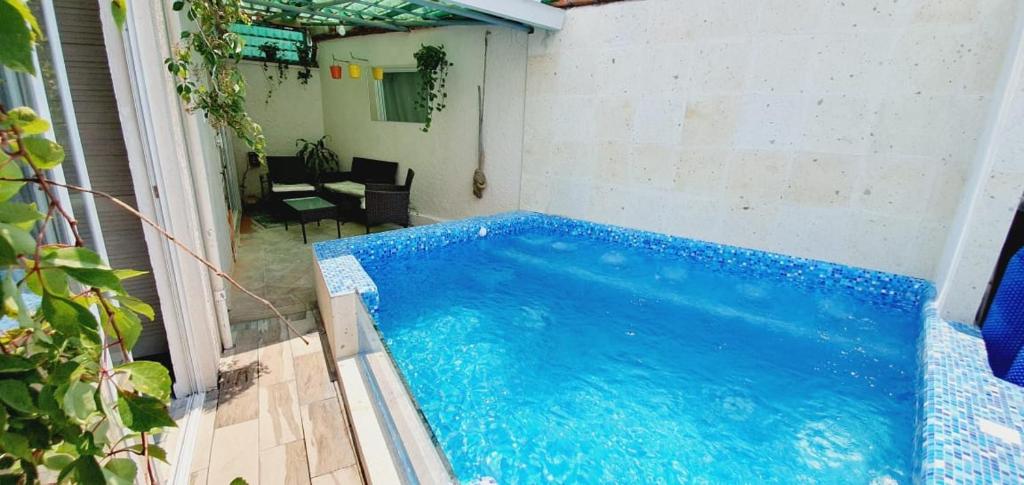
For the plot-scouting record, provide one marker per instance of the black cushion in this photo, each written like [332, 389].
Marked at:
[287, 170]
[368, 170]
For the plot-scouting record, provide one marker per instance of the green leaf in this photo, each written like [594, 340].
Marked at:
[75, 257]
[22, 215]
[129, 327]
[26, 13]
[57, 460]
[239, 481]
[120, 471]
[136, 305]
[26, 120]
[87, 470]
[43, 153]
[125, 274]
[53, 279]
[153, 450]
[142, 413]
[15, 395]
[80, 400]
[100, 278]
[119, 10]
[15, 363]
[16, 37]
[10, 170]
[65, 315]
[178, 5]
[14, 302]
[16, 445]
[148, 378]
[17, 240]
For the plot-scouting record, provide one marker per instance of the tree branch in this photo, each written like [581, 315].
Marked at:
[170, 237]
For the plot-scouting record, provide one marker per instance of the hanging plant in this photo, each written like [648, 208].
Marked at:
[270, 54]
[205, 67]
[306, 56]
[432, 64]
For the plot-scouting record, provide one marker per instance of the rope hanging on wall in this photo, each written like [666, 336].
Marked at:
[479, 179]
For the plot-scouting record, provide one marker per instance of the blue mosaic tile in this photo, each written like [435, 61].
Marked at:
[957, 388]
[343, 275]
[959, 391]
[870, 286]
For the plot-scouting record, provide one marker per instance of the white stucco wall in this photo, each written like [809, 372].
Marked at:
[294, 112]
[444, 159]
[842, 131]
[991, 198]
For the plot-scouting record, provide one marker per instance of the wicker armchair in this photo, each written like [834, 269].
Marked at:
[388, 203]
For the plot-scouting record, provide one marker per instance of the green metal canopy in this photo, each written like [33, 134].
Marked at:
[393, 15]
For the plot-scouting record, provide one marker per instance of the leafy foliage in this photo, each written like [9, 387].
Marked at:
[317, 157]
[205, 68]
[432, 64]
[67, 411]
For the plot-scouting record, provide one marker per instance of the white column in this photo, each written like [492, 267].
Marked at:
[991, 196]
[159, 158]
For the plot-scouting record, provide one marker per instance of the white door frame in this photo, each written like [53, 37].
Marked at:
[154, 127]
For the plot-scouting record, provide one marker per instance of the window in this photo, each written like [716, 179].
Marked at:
[396, 96]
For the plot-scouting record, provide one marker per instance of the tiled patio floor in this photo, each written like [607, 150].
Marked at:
[277, 417]
[273, 263]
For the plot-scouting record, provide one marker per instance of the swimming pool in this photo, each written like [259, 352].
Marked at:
[570, 352]
[544, 357]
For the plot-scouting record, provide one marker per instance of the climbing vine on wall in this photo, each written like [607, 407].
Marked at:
[432, 64]
[205, 68]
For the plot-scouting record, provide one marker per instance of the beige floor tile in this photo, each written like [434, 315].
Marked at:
[299, 348]
[234, 454]
[237, 403]
[204, 438]
[311, 378]
[280, 421]
[198, 477]
[328, 443]
[346, 476]
[275, 264]
[276, 363]
[285, 465]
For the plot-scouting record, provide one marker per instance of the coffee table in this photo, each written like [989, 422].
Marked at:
[311, 209]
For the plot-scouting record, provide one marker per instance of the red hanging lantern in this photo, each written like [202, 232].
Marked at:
[335, 71]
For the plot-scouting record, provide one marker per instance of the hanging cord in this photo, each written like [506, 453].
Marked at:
[479, 179]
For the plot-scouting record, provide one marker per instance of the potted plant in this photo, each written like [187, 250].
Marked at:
[432, 64]
[317, 157]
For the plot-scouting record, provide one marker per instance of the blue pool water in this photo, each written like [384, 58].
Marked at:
[541, 357]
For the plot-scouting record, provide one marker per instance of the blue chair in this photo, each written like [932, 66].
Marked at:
[1003, 330]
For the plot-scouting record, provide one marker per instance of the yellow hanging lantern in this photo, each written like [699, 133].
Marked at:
[378, 73]
[354, 71]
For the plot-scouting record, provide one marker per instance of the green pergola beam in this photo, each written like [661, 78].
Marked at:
[318, 13]
[367, 10]
[394, 15]
[462, 12]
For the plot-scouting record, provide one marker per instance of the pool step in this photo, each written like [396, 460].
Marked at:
[394, 444]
